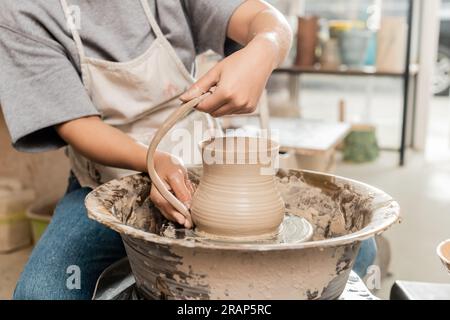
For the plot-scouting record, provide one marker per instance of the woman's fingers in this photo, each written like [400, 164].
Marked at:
[181, 189]
[209, 80]
[177, 183]
[190, 186]
[225, 110]
[165, 207]
[227, 98]
[214, 102]
[174, 177]
[226, 101]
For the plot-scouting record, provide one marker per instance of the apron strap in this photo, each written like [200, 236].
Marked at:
[73, 29]
[76, 35]
[151, 19]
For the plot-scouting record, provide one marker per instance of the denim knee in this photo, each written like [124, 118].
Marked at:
[43, 286]
[71, 241]
[23, 291]
[366, 257]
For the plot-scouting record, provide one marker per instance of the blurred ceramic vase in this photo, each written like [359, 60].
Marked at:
[307, 41]
[353, 46]
[330, 58]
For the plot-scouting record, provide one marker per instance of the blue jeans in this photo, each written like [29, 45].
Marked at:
[71, 255]
[74, 251]
[366, 257]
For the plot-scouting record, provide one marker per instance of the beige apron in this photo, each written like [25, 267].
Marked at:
[135, 96]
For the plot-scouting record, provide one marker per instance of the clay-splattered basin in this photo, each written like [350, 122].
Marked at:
[170, 265]
[443, 251]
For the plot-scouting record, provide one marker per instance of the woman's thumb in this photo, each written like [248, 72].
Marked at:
[181, 190]
[203, 85]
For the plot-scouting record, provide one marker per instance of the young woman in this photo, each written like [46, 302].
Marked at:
[101, 76]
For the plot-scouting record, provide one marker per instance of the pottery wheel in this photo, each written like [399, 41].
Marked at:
[293, 229]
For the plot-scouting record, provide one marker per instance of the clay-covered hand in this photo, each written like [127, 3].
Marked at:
[240, 80]
[174, 175]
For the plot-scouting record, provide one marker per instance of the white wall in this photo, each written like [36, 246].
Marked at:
[427, 51]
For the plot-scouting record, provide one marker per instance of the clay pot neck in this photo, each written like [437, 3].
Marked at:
[238, 172]
[239, 152]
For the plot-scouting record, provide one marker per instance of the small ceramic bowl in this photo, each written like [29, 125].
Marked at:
[443, 251]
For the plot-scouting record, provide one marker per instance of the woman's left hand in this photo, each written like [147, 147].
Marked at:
[240, 80]
[174, 176]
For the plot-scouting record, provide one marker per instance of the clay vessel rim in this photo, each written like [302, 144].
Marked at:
[440, 251]
[206, 145]
[384, 216]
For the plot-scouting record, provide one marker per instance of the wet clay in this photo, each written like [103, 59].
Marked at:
[236, 199]
[293, 229]
[332, 208]
[334, 212]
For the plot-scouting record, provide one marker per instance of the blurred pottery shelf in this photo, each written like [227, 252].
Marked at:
[366, 71]
[308, 144]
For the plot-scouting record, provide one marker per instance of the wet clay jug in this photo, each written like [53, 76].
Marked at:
[237, 198]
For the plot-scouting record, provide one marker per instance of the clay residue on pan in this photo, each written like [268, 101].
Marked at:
[260, 275]
[294, 229]
[156, 271]
[333, 209]
[128, 200]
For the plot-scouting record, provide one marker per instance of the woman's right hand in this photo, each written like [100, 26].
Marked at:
[174, 175]
[108, 146]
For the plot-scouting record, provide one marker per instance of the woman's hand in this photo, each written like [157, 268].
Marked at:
[241, 78]
[106, 145]
[174, 175]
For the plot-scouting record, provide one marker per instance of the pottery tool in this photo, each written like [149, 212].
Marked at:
[237, 199]
[179, 113]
